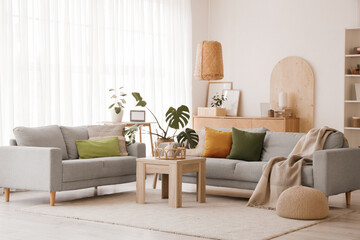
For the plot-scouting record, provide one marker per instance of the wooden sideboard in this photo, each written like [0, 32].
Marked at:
[273, 124]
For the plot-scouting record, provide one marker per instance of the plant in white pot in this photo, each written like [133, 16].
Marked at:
[117, 108]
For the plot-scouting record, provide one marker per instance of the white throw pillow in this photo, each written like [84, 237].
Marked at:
[199, 150]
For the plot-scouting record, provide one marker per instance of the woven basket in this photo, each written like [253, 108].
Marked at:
[170, 153]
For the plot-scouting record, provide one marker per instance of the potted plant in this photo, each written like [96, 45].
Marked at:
[118, 105]
[217, 100]
[175, 119]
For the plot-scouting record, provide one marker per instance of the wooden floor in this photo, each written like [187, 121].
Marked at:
[15, 224]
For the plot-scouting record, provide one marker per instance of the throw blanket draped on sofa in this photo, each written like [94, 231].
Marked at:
[281, 173]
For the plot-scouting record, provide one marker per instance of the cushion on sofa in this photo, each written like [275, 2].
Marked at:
[217, 143]
[94, 168]
[198, 151]
[121, 143]
[246, 145]
[71, 134]
[238, 170]
[279, 144]
[104, 147]
[335, 140]
[47, 136]
[97, 131]
[282, 143]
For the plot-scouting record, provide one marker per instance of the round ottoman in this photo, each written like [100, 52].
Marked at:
[301, 202]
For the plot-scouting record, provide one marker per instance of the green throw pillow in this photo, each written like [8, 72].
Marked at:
[246, 145]
[106, 147]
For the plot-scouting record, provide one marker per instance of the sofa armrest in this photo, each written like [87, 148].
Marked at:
[137, 149]
[337, 170]
[31, 168]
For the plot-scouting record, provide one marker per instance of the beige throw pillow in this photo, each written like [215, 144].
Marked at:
[97, 132]
[122, 143]
[199, 150]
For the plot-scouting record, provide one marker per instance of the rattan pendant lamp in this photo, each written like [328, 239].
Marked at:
[209, 61]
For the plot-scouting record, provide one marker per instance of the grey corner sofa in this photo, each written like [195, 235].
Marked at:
[335, 170]
[55, 166]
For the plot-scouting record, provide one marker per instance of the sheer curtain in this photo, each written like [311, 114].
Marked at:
[58, 58]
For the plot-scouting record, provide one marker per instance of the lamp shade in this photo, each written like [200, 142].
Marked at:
[209, 61]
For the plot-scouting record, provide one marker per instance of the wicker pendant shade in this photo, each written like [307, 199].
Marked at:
[209, 61]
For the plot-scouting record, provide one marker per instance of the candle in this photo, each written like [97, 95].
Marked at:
[282, 99]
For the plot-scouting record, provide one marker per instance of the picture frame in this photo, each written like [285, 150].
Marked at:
[137, 116]
[232, 101]
[216, 88]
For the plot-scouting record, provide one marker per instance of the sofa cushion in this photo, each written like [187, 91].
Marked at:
[71, 134]
[94, 168]
[105, 147]
[334, 140]
[279, 144]
[98, 131]
[47, 136]
[246, 145]
[217, 143]
[238, 170]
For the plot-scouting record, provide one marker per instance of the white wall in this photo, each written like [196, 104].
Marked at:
[200, 14]
[256, 34]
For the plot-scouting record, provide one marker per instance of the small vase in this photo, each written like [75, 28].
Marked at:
[117, 117]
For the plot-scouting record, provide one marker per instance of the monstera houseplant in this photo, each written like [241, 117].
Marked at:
[175, 119]
[117, 106]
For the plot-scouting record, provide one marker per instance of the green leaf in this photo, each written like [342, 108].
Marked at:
[178, 117]
[117, 110]
[123, 94]
[123, 101]
[139, 99]
[111, 105]
[111, 89]
[189, 137]
[113, 96]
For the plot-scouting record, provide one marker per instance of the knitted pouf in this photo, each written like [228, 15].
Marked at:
[304, 203]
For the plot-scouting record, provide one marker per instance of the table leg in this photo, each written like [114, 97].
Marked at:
[201, 183]
[140, 134]
[164, 186]
[175, 186]
[151, 140]
[140, 182]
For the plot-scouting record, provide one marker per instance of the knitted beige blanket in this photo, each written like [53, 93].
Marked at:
[281, 173]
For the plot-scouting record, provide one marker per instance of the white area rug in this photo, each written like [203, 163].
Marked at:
[218, 218]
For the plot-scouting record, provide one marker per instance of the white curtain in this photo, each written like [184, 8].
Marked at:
[58, 58]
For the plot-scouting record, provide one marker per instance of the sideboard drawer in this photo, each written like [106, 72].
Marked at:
[276, 125]
[200, 122]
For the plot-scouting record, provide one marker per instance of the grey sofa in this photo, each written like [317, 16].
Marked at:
[53, 168]
[336, 169]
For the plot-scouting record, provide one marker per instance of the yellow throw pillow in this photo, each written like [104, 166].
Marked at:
[217, 143]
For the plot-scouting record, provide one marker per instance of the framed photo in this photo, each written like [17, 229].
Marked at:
[137, 116]
[216, 88]
[232, 102]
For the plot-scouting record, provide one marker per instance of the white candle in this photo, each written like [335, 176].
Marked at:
[282, 99]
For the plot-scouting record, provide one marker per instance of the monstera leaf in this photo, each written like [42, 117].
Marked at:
[177, 117]
[139, 99]
[189, 137]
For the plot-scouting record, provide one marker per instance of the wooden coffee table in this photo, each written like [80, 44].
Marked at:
[171, 171]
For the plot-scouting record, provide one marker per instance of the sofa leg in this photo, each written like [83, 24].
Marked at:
[7, 194]
[95, 187]
[348, 198]
[52, 198]
[155, 180]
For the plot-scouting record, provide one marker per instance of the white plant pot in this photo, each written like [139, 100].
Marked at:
[117, 117]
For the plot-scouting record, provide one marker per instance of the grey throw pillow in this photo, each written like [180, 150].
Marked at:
[48, 136]
[71, 134]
